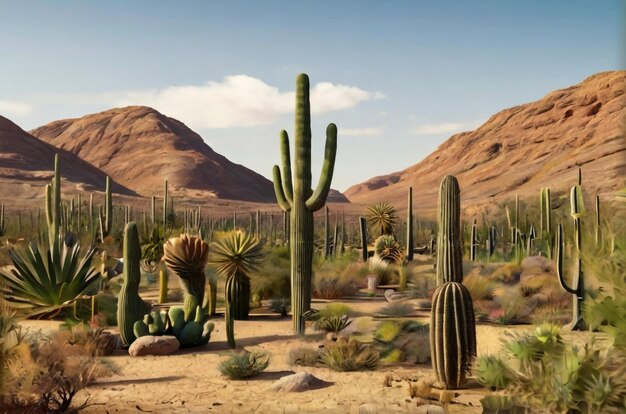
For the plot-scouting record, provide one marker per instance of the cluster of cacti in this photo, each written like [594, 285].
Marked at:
[453, 330]
[130, 306]
[297, 197]
[190, 326]
[577, 287]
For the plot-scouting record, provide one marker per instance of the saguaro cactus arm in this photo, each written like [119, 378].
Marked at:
[283, 202]
[286, 161]
[318, 199]
[558, 251]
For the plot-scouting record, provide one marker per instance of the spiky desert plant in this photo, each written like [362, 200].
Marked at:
[244, 364]
[297, 197]
[186, 257]
[388, 249]
[235, 256]
[349, 355]
[332, 323]
[449, 249]
[130, 307]
[452, 334]
[45, 277]
[382, 217]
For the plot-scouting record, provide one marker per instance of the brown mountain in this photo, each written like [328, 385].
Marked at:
[27, 165]
[139, 147]
[521, 149]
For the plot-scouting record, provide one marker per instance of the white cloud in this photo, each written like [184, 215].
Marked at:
[14, 108]
[441, 128]
[238, 101]
[360, 132]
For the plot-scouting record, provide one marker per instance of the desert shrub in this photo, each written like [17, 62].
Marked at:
[304, 357]
[410, 338]
[508, 273]
[335, 309]
[332, 323]
[244, 364]
[349, 355]
[280, 305]
[396, 310]
[550, 314]
[480, 287]
[540, 371]
[511, 312]
[96, 341]
[47, 373]
[334, 288]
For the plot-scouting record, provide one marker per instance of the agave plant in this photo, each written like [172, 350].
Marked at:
[382, 218]
[45, 278]
[186, 256]
[235, 256]
[388, 249]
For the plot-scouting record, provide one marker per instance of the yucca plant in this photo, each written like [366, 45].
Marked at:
[382, 218]
[244, 364]
[235, 256]
[388, 249]
[332, 323]
[46, 278]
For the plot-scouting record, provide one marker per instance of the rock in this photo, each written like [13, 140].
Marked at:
[393, 296]
[537, 262]
[302, 381]
[154, 345]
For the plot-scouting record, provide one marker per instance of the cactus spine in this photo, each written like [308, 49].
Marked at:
[297, 197]
[452, 324]
[452, 334]
[130, 307]
[577, 289]
[449, 249]
[409, 226]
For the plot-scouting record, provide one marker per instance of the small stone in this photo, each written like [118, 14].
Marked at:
[154, 345]
[302, 381]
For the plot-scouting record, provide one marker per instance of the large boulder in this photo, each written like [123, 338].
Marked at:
[154, 345]
[302, 381]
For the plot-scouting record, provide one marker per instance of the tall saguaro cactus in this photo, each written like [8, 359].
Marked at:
[108, 208]
[449, 238]
[577, 288]
[297, 197]
[545, 228]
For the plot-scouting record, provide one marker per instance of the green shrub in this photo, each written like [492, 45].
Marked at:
[335, 309]
[331, 288]
[396, 309]
[349, 355]
[244, 364]
[304, 357]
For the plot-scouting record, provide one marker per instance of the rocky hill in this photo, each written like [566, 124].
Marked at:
[521, 149]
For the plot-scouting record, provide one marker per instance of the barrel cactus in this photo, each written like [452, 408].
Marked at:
[130, 307]
[452, 334]
[186, 256]
[298, 198]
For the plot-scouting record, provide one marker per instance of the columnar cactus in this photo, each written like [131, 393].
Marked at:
[452, 334]
[492, 235]
[297, 197]
[108, 208]
[130, 307]
[53, 204]
[163, 281]
[577, 288]
[2, 225]
[326, 233]
[449, 238]
[165, 204]
[545, 227]
[363, 232]
[409, 226]
[598, 233]
[473, 242]
[186, 256]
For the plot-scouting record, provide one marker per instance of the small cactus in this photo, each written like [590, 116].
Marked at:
[449, 249]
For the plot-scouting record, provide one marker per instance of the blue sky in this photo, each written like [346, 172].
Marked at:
[397, 77]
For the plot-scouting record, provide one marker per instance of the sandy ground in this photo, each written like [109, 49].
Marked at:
[189, 381]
